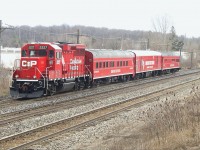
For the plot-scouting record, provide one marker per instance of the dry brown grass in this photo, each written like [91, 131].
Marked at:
[4, 81]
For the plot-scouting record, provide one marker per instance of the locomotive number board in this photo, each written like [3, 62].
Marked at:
[40, 47]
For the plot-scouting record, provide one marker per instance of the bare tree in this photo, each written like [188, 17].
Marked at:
[161, 25]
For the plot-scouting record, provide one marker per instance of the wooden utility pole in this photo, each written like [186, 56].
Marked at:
[191, 65]
[1, 30]
[78, 35]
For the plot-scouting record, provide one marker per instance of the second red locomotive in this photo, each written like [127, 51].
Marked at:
[48, 68]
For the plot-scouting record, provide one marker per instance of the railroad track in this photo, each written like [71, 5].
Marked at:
[39, 111]
[28, 138]
[46, 101]
[10, 102]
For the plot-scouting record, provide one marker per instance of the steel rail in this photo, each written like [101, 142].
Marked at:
[39, 111]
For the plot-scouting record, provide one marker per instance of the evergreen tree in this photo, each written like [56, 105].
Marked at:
[176, 44]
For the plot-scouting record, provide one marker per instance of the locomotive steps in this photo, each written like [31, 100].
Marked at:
[72, 123]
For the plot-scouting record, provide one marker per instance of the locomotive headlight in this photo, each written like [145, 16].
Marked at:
[16, 76]
[34, 77]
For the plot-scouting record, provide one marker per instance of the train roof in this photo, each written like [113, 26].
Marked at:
[110, 53]
[54, 45]
[170, 53]
[145, 52]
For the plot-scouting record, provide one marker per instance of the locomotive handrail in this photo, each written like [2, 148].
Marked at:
[46, 80]
[14, 68]
[15, 64]
[86, 66]
[41, 75]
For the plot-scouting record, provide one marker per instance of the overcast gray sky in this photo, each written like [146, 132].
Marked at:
[184, 15]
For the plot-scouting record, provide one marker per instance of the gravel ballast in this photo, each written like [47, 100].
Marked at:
[28, 124]
[102, 134]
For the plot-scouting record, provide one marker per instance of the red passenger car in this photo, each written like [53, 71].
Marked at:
[106, 65]
[147, 62]
[170, 62]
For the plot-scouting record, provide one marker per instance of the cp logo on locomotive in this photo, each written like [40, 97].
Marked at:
[28, 63]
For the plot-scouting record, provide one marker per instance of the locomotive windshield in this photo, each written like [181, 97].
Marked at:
[37, 53]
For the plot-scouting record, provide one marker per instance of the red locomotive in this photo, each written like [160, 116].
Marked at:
[48, 68]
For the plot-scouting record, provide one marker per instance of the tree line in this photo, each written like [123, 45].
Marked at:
[100, 38]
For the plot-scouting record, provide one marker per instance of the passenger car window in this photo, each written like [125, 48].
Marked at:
[100, 64]
[97, 65]
[106, 64]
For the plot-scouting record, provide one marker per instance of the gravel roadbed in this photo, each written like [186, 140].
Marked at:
[28, 124]
[103, 134]
[26, 104]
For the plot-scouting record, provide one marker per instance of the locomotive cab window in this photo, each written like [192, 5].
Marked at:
[58, 55]
[24, 53]
[51, 54]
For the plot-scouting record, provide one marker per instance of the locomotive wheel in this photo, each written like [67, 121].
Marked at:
[76, 86]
